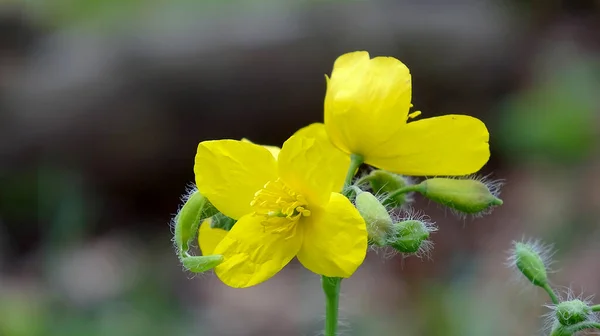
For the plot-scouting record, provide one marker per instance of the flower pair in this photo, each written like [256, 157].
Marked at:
[288, 203]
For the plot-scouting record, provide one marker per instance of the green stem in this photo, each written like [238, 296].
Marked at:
[582, 326]
[551, 293]
[596, 308]
[331, 288]
[355, 162]
[407, 189]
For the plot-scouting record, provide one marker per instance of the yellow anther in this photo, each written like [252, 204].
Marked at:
[278, 200]
[414, 114]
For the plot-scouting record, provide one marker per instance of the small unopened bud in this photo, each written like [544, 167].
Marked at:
[195, 209]
[470, 196]
[572, 312]
[410, 235]
[201, 264]
[378, 220]
[529, 259]
[385, 182]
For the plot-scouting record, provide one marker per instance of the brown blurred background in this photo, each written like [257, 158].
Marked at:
[102, 104]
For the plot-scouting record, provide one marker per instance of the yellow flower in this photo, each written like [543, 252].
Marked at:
[285, 208]
[366, 112]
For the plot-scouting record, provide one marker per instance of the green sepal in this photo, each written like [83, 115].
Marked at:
[199, 264]
[220, 221]
[196, 208]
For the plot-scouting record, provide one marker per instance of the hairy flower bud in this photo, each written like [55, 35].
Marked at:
[469, 196]
[385, 182]
[410, 235]
[195, 209]
[378, 220]
[201, 264]
[572, 312]
[530, 261]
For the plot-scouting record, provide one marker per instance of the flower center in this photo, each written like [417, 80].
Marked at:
[276, 199]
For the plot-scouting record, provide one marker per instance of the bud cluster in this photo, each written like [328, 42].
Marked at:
[392, 194]
[533, 259]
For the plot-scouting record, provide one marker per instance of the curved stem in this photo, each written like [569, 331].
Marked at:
[331, 288]
[404, 190]
[355, 162]
[551, 293]
[596, 308]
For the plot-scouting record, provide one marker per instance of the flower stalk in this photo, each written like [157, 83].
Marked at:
[331, 286]
[551, 293]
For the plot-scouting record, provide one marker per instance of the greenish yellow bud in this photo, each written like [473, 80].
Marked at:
[201, 263]
[465, 195]
[195, 209]
[385, 182]
[572, 312]
[410, 235]
[529, 259]
[378, 220]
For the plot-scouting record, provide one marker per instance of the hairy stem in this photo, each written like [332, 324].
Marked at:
[596, 308]
[331, 288]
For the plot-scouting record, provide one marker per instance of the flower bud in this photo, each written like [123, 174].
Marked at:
[201, 264]
[410, 235]
[465, 195]
[378, 220]
[195, 209]
[385, 182]
[572, 312]
[528, 258]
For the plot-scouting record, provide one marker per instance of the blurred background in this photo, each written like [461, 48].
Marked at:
[103, 102]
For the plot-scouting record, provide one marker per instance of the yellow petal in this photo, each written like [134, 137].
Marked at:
[273, 149]
[209, 237]
[314, 130]
[448, 145]
[229, 172]
[367, 101]
[312, 167]
[335, 239]
[253, 252]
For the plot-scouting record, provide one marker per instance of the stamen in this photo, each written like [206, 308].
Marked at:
[276, 200]
[414, 114]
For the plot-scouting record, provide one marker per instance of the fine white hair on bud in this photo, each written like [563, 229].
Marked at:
[412, 230]
[533, 259]
[571, 310]
[465, 196]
